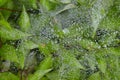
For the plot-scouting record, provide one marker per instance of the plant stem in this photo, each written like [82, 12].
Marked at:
[9, 10]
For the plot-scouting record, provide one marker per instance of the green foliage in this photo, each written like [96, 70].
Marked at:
[2, 2]
[47, 4]
[24, 21]
[70, 67]
[46, 63]
[23, 50]
[95, 76]
[38, 74]
[33, 3]
[8, 4]
[4, 23]
[67, 7]
[88, 44]
[9, 33]
[9, 53]
[8, 76]
[59, 40]
[12, 34]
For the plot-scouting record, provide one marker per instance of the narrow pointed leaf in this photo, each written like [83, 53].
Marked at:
[24, 21]
[12, 34]
[46, 63]
[38, 74]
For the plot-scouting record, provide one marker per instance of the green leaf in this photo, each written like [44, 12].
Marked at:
[95, 76]
[53, 75]
[23, 50]
[9, 53]
[8, 76]
[58, 31]
[112, 21]
[5, 66]
[61, 1]
[44, 78]
[44, 48]
[46, 63]
[8, 5]
[29, 45]
[69, 66]
[12, 34]
[47, 4]
[9, 33]
[38, 74]
[69, 58]
[114, 51]
[1, 16]
[48, 48]
[30, 60]
[108, 39]
[24, 21]
[33, 3]
[65, 1]
[5, 24]
[67, 7]
[88, 44]
[21, 58]
[102, 65]
[2, 2]
[99, 11]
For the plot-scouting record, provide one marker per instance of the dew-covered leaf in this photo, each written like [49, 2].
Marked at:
[58, 31]
[108, 39]
[102, 65]
[46, 63]
[88, 44]
[29, 45]
[114, 51]
[23, 49]
[70, 66]
[38, 74]
[24, 21]
[5, 66]
[112, 19]
[99, 11]
[95, 76]
[12, 34]
[9, 53]
[9, 33]
[53, 75]
[49, 47]
[5, 24]
[67, 7]
[47, 4]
